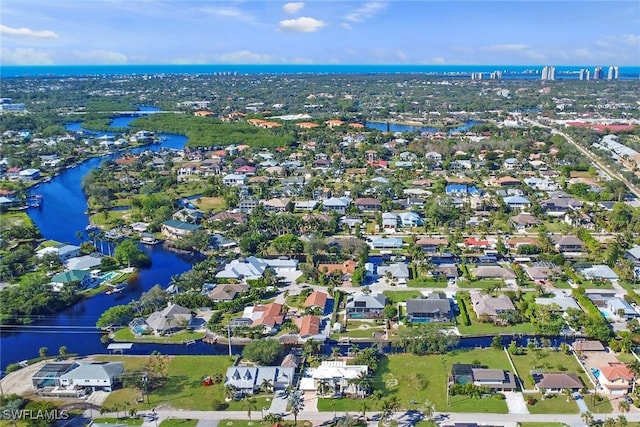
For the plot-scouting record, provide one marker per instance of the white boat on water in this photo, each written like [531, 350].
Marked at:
[149, 240]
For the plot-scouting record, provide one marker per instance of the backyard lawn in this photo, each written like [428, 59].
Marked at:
[184, 389]
[395, 297]
[125, 334]
[549, 361]
[397, 376]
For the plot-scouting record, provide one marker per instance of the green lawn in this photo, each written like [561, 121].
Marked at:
[598, 407]
[588, 284]
[479, 328]
[178, 422]
[481, 284]
[541, 424]
[548, 361]
[556, 404]
[395, 297]
[625, 357]
[561, 284]
[125, 334]
[184, 389]
[426, 283]
[397, 376]
[257, 423]
[262, 401]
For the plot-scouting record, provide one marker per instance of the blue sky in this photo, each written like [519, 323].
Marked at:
[508, 32]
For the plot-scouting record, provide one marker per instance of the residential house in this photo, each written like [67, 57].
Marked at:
[559, 206]
[559, 303]
[600, 272]
[569, 246]
[316, 300]
[276, 205]
[345, 268]
[172, 318]
[49, 375]
[389, 222]
[613, 307]
[477, 244]
[523, 221]
[192, 216]
[580, 346]
[435, 308]
[336, 204]
[234, 180]
[386, 243]
[62, 251]
[173, 229]
[410, 219]
[29, 174]
[309, 329]
[495, 379]
[336, 374]
[616, 379]
[494, 272]
[248, 380]
[252, 268]
[227, 291]
[368, 204]
[304, 205]
[398, 271]
[82, 277]
[492, 306]
[103, 376]
[363, 306]
[235, 217]
[555, 382]
[269, 316]
[517, 202]
[247, 204]
[541, 272]
[85, 262]
[432, 245]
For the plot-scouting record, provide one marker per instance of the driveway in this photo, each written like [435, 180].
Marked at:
[515, 402]
[582, 405]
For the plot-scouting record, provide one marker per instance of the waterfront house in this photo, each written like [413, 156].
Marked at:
[494, 272]
[171, 319]
[569, 246]
[85, 262]
[248, 380]
[104, 376]
[268, 316]
[227, 291]
[62, 251]
[309, 329]
[398, 271]
[316, 300]
[435, 308]
[491, 306]
[29, 174]
[82, 277]
[497, 380]
[336, 374]
[250, 268]
[363, 306]
[555, 382]
[173, 229]
[386, 243]
[432, 245]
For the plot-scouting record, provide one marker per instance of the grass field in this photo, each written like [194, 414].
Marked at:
[256, 423]
[548, 361]
[556, 404]
[126, 421]
[396, 376]
[184, 389]
[598, 407]
[481, 284]
[125, 334]
[395, 297]
[426, 283]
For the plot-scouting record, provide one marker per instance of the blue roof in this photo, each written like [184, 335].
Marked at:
[181, 225]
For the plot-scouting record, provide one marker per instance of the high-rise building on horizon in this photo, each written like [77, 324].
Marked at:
[613, 73]
[476, 76]
[598, 74]
[496, 75]
[585, 74]
[548, 72]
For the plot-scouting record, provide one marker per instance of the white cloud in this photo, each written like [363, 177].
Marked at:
[245, 57]
[230, 13]
[24, 56]
[103, 57]
[293, 7]
[504, 48]
[366, 11]
[438, 60]
[346, 26]
[27, 33]
[304, 24]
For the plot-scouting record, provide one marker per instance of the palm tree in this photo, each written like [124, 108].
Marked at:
[230, 391]
[634, 367]
[622, 421]
[323, 388]
[347, 421]
[428, 409]
[377, 396]
[335, 353]
[362, 383]
[266, 386]
[249, 404]
[624, 406]
[587, 417]
[386, 410]
[296, 403]
[395, 403]
[364, 406]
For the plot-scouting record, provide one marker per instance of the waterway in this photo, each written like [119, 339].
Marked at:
[396, 127]
[61, 216]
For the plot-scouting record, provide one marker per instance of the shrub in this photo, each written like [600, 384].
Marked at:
[531, 401]
[499, 396]
[218, 405]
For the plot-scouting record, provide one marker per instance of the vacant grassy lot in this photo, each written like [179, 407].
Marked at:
[395, 297]
[183, 390]
[548, 361]
[426, 283]
[178, 422]
[247, 423]
[556, 404]
[481, 284]
[598, 406]
[126, 421]
[397, 375]
[125, 334]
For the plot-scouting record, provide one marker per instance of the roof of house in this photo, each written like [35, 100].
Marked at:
[172, 316]
[587, 345]
[85, 262]
[347, 267]
[180, 225]
[490, 305]
[599, 271]
[367, 201]
[330, 369]
[489, 271]
[309, 325]
[69, 276]
[316, 299]
[563, 302]
[371, 300]
[95, 371]
[524, 219]
[250, 267]
[398, 270]
[227, 291]
[270, 315]
[617, 371]
[558, 380]
[566, 240]
[428, 305]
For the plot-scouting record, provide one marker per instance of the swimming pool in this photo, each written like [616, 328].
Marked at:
[109, 275]
[595, 372]
[605, 314]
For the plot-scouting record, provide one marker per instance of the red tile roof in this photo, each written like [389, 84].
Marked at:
[316, 299]
[309, 325]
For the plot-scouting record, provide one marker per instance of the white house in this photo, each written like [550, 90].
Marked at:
[234, 180]
[97, 375]
[337, 374]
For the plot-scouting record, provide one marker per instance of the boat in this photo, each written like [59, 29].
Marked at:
[91, 227]
[149, 240]
[115, 290]
[192, 342]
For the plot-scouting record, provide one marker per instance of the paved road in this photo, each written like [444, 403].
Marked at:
[404, 419]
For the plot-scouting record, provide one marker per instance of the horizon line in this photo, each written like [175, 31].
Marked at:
[316, 65]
